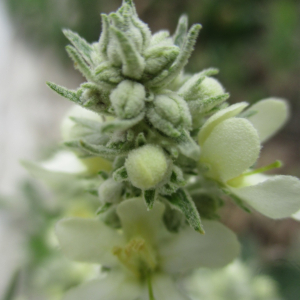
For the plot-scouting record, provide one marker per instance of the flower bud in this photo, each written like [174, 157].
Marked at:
[210, 87]
[128, 99]
[159, 58]
[169, 114]
[200, 87]
[110, 191]
[146, 166]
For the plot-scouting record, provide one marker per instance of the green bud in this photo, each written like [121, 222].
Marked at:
[128, 99]
[169, 114]
[210, 87]
[147, 167]
[159, 58]
[110, 191]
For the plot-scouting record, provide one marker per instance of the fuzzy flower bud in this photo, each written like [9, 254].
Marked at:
[169, 113]
[110, 191]
[146, 166]
[127, 99]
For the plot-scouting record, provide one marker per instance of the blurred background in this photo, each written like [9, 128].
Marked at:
[256, 46]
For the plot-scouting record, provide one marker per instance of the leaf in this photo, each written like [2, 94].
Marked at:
[120, 174]
[98, 150]
[161, 124]
[104, 37]
[133, 62]
[149, 197]
[71, 95]
[183, 202]
[187, 146]
[140, 140]
[80, 44]
[122, 125]
[104, 208]
[167, 76]
[79, 62]
[181, 31]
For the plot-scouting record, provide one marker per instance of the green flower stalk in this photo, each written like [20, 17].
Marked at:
[160, 149]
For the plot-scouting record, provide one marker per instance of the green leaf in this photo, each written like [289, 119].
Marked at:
[104, 37]
[71, 95]
[80, 44]
[161, 124]
[104, 208]
[183, 202]
[181, 31]
[149, 197]
[79, 62]
[167, 76]
[208, 104]
[140, 140]
[120, 174]
[133, 63]
[104, 175]
[187, 146]
[122, 125]
[87, 123]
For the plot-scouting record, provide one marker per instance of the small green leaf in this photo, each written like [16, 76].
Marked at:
[97, 150]
[133, 63]
[149, 197]
[79, 62]
[120, 174]
[71, 95]
[104, 208]
[84, 48]
[140, 140]
[181, 31]
[167, 76]
[161, 124]
[187, 146]
[104, 175]
[104, 37]
[183, 202]
[122, 125]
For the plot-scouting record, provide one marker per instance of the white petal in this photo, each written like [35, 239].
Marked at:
[231, 148]
[138, 221]
[164, 288]
[116, 286]
[64, 162]
[271, 114]
[277, 197]
[219, 117]
[88, 240]
[188, 249]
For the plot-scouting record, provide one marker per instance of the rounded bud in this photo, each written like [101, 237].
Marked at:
[146, 166]
[210, 87]
[110, 191]
[167, 108]
[128, 99]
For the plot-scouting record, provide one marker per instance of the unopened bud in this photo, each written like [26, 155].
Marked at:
[146, 166]
[128, 99]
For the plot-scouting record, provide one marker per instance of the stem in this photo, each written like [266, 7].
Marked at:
[150, 289]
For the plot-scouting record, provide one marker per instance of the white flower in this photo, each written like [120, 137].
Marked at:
[144, 254]
[231, 145]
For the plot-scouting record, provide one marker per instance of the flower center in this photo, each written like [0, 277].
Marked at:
[137, 256]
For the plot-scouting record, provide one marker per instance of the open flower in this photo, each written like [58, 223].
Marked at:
[144, 258]
[231, 145]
